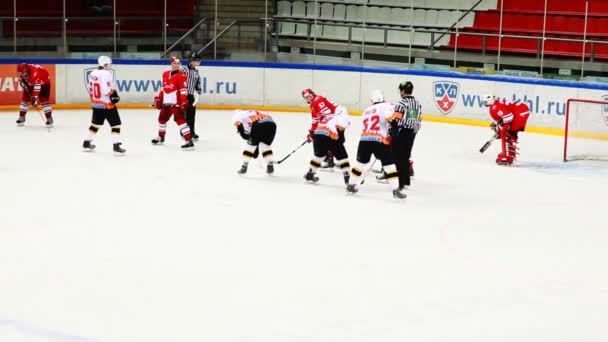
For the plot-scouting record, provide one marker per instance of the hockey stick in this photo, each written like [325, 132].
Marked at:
[43, 118]
[292, 152]
[36, 107]
[487, 144]
[369, 169]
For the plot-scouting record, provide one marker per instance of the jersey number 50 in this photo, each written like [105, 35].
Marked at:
[95, 89]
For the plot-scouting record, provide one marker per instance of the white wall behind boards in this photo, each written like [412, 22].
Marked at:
[282, 87]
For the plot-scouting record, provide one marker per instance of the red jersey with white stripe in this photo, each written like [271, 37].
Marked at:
[320, 107]
[376, 121]
[513, 115]
[175, 90]
[38, 76]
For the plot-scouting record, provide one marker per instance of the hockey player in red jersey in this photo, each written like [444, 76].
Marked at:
[327, 138]
[320, 107]
[509, 118]
[36, 84]
[172, 100]
[329, 120]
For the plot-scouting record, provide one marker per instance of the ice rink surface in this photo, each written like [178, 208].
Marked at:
[166, 245]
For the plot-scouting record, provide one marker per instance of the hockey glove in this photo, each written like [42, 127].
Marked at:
[158, 102]
[114, 98]
[496, 127]
[393, 130]
[241, 130]
[183, 106]
[35, 101]
[309, 136]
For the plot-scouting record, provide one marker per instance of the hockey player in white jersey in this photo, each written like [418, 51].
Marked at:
[375, 140]
[103, 98]
[258, 129]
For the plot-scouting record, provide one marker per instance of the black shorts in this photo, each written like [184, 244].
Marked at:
[100, 115]
[323, 144]
[263, 132]
[381, 151]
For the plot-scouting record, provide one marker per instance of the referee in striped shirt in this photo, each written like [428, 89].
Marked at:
[194, 87]
[404, 130]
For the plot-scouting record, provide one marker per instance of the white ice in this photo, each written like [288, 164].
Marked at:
[166, 245]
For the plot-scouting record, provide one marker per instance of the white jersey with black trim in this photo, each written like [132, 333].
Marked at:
[248, 117]
[375, 121]
[329, 125]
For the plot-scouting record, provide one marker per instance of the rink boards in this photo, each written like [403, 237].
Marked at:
[445, 96]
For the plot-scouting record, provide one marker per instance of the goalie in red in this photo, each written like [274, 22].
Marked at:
[509, 118]
[36, 84]
[172, 100]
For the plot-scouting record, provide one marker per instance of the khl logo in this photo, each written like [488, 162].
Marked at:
[605, 109]
[446, 95]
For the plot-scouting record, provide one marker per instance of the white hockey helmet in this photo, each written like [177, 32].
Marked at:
[488, 100]
[376, 96]
[104, 60]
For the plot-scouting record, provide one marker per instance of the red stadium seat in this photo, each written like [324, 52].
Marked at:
[570, 6]
[598, 7]
[525, 17]
[597, 26]
[523, 5]
[489, 20]
[102, 25]
[601, 51]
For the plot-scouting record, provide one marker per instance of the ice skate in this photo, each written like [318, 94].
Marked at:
[398, 194]
[158, 140]
[88, 146]
[243, 169]
[310, 176]
[351, 188]
[188, 145]
[118, 149]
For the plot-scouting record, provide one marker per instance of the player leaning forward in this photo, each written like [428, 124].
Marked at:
[258, 129]
[375, 140]
[509, 118]
[329, 121]
[103, 98]
[36, 84]
[172, 100]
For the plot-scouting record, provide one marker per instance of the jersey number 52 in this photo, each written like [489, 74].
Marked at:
[371, 123]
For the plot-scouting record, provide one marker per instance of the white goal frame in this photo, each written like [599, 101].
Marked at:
[566, 128]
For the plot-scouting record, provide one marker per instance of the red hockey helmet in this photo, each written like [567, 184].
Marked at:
[175, 59]
[23, 68]
[307, 91]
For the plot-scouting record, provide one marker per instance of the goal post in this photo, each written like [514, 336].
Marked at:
[586, 130]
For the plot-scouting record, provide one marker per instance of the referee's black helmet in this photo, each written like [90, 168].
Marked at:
[406, 86]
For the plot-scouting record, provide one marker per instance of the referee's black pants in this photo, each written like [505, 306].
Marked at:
[191, 114]
[402, 150]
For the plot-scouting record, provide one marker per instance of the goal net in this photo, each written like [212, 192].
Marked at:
[586, 130]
